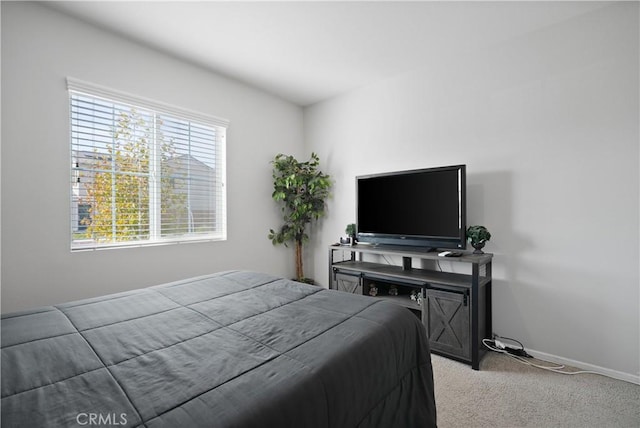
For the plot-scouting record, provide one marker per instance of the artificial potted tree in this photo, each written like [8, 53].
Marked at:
[478, 236]
[301, 189]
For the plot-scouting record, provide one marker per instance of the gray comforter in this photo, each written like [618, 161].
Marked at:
[234, 349]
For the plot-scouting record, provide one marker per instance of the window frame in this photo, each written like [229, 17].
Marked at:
[75, 86]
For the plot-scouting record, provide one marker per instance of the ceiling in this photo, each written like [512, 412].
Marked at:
[307, 51]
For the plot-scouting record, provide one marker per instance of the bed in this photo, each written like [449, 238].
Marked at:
[232, 349]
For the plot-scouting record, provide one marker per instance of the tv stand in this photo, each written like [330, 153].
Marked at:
[454, 307]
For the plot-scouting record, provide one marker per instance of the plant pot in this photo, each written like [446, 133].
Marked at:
[478, 246]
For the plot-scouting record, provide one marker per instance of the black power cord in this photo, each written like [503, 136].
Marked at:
[499, 343]
[518, 352]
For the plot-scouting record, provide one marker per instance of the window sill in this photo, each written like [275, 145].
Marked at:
[92, 246]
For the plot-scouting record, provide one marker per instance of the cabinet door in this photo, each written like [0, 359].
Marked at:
[446, 317]
[348, 283]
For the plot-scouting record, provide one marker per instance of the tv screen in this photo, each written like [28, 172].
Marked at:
[425, 207]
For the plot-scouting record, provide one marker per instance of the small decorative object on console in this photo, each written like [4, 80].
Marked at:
[478, 236]
[417, 297]
[345, 240]
[350, 230]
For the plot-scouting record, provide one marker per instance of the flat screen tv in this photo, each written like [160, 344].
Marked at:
[419, 208]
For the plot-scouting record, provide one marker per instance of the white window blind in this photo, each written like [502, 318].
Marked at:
[143, 172]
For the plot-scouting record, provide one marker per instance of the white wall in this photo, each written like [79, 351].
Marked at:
[548, 127]
[40, 48]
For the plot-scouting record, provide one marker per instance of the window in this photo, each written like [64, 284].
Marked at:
[143, 172]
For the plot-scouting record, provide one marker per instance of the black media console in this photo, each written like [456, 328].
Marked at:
[454, 307]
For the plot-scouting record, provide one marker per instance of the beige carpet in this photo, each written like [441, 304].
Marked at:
[506, 393]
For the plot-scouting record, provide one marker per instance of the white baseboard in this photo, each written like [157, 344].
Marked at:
[627, 377]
